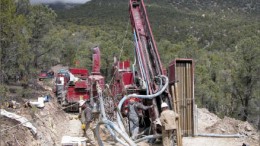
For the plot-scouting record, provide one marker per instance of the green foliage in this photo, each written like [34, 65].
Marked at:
[246, 73]
[26, 93]
[209, 34]
[14, 40]
[23, 28]
[222, 39]
[3, 91]
[41, 19]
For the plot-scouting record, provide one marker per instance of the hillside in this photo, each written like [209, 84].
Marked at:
[174, 20]
[221, 36]
[216, 34]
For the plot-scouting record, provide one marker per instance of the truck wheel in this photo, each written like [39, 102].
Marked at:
[65, 104]
[59, 101]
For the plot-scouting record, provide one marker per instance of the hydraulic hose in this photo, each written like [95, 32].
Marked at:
[114, 127]
[148, 137]
[121, 129]
[119, 120]
[108, 123]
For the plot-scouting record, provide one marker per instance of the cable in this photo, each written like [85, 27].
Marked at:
[110, 125]
[151, 96]
[119, 128]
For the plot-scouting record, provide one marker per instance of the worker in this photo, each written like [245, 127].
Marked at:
[168, 121]
[59, 86]
[86, 120]
[134, 113]
[169, 126]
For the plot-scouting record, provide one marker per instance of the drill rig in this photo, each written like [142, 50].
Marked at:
[146, 81]
[145, 77]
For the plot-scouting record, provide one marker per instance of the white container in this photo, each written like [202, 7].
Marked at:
[73, 141]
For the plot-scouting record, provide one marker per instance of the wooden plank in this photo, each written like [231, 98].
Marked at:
[190, 100]
[184, 99]
[179, 130]
[187, 97]
[191, 96]
[176, 97]
[173, 98]
[182, 104]
[188, 93]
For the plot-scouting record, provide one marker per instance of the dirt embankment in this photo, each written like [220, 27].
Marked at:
[209, 123]
[50, 121]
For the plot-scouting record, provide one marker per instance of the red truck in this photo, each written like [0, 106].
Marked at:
[81, 85]
[45, 75]
[76, 89]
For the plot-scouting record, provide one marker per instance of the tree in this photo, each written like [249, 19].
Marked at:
[246, 73]
[14, 41]
[41, 19]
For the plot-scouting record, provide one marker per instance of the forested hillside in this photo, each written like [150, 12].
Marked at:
[222, 36]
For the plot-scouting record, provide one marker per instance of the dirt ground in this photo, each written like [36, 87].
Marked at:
[53, 123]
[206, 141]
[209, 123]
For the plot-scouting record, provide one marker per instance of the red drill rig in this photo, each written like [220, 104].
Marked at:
[145, 76]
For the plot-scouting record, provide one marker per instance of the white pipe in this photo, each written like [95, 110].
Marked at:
[221, 135]
[113, 126]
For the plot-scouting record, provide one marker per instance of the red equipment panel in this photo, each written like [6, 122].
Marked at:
[73, 95]
[79, 72]
[81, 84]
[127, 78]
[125, 65]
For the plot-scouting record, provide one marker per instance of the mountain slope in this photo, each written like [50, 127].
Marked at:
[216, 34]
[209, 21]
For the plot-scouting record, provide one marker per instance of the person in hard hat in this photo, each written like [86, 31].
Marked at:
[81, 115]
[168, 120]
[86, 120]
[134, 113]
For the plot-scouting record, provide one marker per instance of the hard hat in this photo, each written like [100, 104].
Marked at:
[164, 105]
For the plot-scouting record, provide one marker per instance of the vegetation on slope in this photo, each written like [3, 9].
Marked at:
[222, 36]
